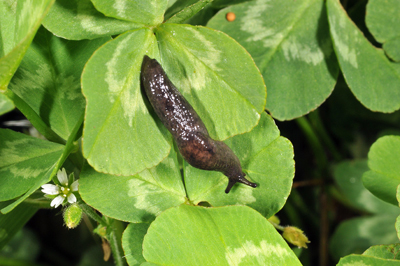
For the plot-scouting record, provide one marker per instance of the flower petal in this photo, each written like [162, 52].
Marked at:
[62, 177]
[74, 186]
[57, 201]
[50, 189]
[71, 198]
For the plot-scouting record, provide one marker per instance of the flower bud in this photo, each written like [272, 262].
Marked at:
[101, 231]
[295, 236]
[72, 216]
[274, 219]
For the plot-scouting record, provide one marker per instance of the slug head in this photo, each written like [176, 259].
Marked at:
[238, 178]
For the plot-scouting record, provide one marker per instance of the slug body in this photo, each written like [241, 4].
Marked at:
[185, 125]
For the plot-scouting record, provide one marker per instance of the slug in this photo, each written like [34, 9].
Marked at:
[185, 125]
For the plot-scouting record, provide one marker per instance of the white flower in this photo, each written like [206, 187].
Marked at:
[63, 192]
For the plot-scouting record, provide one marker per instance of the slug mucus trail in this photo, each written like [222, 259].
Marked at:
[185, 125]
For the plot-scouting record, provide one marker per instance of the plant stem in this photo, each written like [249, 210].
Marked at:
[314, 142]
[41, 204]
[113, 237]
[298, 204]
[92, 213]
[277, 226]
[324, 231]
[316, 121]
[115, 242]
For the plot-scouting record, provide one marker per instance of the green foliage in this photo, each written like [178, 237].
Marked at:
[384, 176]
[19, 22]
[380, 14]
[6, 104]
[77, 81]
[290, 44]
[209, 231]
[371, 76]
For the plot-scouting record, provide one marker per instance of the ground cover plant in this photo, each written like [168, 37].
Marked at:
[305, 93]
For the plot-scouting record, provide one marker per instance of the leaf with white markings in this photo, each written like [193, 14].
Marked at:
[139, 11]
[267, 161]
[373, 79]
[383, 19]
[79, 19]
[120, 135]
[25, 161]
[203, 64]
[19, 22]
[266, 158]
[290, 43]
[234, 235]
[216, 75]
[48, 79]
[139, 198]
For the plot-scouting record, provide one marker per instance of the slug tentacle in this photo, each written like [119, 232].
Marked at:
[185, 125]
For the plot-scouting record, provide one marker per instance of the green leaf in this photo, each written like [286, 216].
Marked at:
[266, 158]
[78, 19]
[383, 160]
[188, 12]
[374, 80]
[22, 250]
[12, 222]
[120, 135]
[397, 226]
[132, 240]
[176, 6]
[48, 79]
[392, 48]
[348, 177]
[24, 162]
[19, 22]
[224, 3]
[138, 198]
[189, 235]
[384, 251]
[6, 104]
[216, 75]
[138, 11]
[382, 19]
[290, 43]
[358, 234]
[119, 127]
[366, 260]
[53, 162]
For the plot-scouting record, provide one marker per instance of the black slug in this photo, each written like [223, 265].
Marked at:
[185, 125]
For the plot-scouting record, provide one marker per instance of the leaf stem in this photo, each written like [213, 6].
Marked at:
[92, 213]
[314, 142]
[298, 204]
[42, 204]
[277, 226]
[316, 121]
[115, 242]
